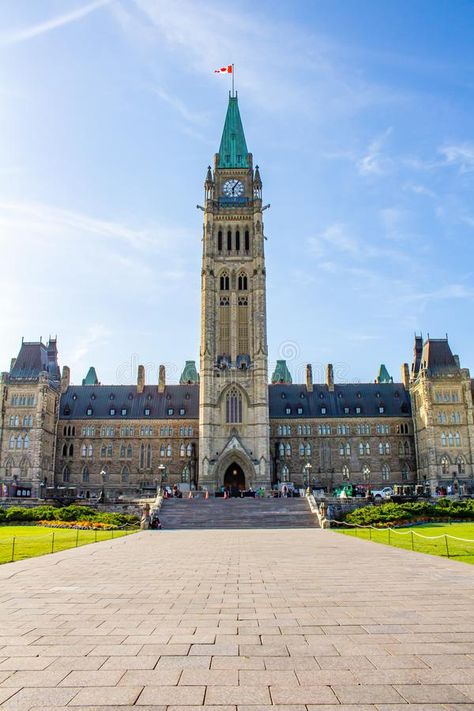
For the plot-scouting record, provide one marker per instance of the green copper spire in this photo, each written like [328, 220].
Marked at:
[189, 376]
[91, 377]
[384, 376]
[233, 151]
[281, 373]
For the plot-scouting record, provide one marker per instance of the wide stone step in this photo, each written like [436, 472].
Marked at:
[236, 513]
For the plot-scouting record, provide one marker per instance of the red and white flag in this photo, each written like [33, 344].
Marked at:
[224, 70]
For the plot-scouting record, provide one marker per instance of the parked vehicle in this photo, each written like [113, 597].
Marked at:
[349, 490]
[379, 494]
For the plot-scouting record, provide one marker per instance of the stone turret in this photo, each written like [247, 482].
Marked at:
[140, 379]
[330, 377]
[309, 378]
[65, 378]
[162, 379]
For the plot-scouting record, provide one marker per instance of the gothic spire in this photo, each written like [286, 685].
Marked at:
[233, 151]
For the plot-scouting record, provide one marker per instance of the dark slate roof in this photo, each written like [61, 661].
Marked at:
[437, 358]
[34, 359]
[368, 396]
[102, 398]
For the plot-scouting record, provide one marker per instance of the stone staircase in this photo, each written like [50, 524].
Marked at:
[237, 513]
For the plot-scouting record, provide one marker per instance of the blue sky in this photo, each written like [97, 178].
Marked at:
[359, 113]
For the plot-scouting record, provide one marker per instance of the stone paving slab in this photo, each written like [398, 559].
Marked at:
[237, 620]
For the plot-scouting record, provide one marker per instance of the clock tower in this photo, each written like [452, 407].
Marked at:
[233, 407]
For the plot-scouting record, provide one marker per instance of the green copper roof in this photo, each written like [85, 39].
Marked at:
[281, 373]
[189, 374]
[233, 149]
[384, 376]
[91, 377]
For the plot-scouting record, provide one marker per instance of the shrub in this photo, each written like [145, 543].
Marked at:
[411, 511]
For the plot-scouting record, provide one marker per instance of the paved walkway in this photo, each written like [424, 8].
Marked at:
[237, 620]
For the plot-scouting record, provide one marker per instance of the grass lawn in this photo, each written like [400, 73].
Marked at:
[434, 538]
[18, 542]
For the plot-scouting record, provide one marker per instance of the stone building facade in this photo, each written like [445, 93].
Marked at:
[228, 425]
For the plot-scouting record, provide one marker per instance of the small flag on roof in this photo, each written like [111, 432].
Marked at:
[224, 70]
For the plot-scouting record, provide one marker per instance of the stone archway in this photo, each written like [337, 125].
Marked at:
[234, 478]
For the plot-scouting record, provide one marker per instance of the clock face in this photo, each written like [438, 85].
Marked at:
[233, 188]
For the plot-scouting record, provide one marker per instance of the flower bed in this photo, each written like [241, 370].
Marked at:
[82, 525]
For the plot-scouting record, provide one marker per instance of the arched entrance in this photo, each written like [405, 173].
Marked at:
[234, 478]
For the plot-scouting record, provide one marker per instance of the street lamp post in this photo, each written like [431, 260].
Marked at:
[307, 468]
[103, 474]
[162, 470]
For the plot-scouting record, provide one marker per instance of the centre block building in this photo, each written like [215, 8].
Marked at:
[228, 425]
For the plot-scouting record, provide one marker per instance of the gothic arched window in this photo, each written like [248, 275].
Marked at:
[345, 472]
[142, 456]
[182, 450]
[229, 240]
[366, 472]
[460, 465]
[125, 474]
[219, 241]
[242, 282]
[66, 474]
[224, 281]
[148, 456]
[385, 473]
[85, 475]
[444, 464]
[285, 473]
[234, 406]
[237, 241]
[247, 241]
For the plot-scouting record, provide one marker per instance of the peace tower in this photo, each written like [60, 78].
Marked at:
[233, 399]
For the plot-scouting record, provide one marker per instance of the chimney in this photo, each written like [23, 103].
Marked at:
[405, 375]
[309, 378]
[140, 379]
[457, 361]
[162, 379]
[330, 377]
[65, 378]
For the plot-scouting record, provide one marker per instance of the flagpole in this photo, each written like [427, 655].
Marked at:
[233, 72]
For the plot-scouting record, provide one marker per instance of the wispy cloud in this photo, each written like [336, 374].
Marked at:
[374, 162]
[38, 218]
[460, 155]
[15, 36]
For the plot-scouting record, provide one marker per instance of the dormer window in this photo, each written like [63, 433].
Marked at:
[182, 411]
[358, 410]
[112, 411]
[89, 411]
[323, 411]
[288, 410]
[346, 410]
[170, 411]
[146, 411]
[123, 411]
[300, 410]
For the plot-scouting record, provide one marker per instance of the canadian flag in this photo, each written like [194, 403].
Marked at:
[224, 70]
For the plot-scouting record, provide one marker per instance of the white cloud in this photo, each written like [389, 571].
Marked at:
[374, 162]
[461, 155]
[16, 36]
